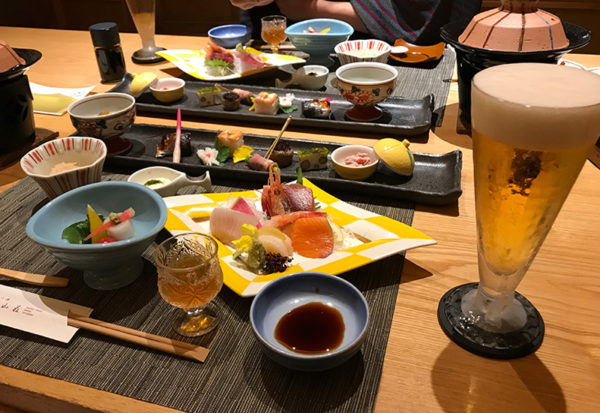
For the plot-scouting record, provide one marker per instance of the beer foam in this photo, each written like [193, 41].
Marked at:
[536, 105]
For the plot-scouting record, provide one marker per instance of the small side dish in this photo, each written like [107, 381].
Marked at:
[395, 155]
[313, 158]
[167, 90]
[356, 162]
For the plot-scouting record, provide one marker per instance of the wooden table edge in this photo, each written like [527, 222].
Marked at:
[36, 393]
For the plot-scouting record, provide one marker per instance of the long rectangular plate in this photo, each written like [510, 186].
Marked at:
[435, 180]
[405, 117]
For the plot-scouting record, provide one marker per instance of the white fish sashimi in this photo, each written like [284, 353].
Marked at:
[226, 224]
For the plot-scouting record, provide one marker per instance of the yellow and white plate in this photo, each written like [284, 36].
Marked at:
[382, 237]
[192, 62]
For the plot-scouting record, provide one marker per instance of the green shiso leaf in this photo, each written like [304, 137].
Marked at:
[224, 153]
[218, 62]
[75, 233]
[288, 109]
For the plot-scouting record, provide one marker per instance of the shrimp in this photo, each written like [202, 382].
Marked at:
[272, 200]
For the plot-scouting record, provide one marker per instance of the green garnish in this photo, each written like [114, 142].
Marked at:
[289, 109]
[224, 152]
[299, 178]
[319, 149]
[76, 233]
[152, 182]
[218, 62]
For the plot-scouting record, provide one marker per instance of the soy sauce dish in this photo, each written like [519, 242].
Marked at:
[316, 299]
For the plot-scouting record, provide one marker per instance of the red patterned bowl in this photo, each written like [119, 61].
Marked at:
[365, 84]
[64, 164]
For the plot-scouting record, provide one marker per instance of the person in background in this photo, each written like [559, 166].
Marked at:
[416, 21]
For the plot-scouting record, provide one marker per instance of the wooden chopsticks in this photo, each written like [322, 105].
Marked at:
[35, 279]
[155, 342]
[274, 144]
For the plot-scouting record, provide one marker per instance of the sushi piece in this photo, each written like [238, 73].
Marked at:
[313, 158]
[167, 144]
[208, 156]
[209, 96]
[226, 224]
[230, 101]
[266, 103]
[259, 162]
[316, 108]
[245, 96]
[312, 237]
[218, 61]
[245, 61]
[283, 154]
[231, 138]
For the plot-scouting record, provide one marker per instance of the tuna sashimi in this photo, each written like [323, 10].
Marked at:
[225, 223]
[298, 197]
[216, 52]
[243, 206]
[280, 221]
[312, 237]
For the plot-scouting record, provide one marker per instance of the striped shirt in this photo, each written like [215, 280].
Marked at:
[416, 21]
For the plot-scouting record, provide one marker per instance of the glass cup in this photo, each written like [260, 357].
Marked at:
[533, 128]
[143, 13]
[190, 277]
[273, 31]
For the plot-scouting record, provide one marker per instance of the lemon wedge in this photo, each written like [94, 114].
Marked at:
[140, 82]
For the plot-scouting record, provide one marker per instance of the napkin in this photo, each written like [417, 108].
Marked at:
[54, 101]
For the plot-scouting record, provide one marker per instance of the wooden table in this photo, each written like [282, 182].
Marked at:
[423, 370]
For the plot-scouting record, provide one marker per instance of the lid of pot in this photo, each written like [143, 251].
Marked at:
[14, 61]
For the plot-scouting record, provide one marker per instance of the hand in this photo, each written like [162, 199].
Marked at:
[248, 4]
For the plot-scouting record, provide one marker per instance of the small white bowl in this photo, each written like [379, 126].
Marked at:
[309, 77]
[371, 50]
[167, 90]
[89, 153]
[104, 115]
[176, 179]
[357, 173]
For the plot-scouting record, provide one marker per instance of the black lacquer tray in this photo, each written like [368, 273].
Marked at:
[405, 117]
[435, 180]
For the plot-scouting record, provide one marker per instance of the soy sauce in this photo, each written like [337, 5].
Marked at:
[312, 328]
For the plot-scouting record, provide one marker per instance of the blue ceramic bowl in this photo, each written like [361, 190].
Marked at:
[105, 266]
[230, 35]
[319, 45]
[286, 293]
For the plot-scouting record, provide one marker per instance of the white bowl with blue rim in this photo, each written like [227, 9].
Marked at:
[319, 45]
[229, 35]
[289, 292]
[105, 266]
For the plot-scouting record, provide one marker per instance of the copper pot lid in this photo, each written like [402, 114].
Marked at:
[518, 26]
[13, 62]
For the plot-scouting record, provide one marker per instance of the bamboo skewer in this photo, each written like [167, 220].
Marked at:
[35, 279]
[177, 148]
[155, 342]
[272, 147]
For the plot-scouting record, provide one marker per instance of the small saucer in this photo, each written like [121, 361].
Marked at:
[418, 54]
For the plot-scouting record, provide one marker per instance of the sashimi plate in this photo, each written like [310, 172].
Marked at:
[192, 63]
[377, 237]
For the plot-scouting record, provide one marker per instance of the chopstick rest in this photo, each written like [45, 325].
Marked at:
[35, 279]
[155, 342]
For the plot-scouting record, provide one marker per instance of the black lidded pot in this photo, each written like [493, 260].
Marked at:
[17, 126]
[471, 60]
[109, 55]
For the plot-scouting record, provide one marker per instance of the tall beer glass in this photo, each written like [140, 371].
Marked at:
[533, 128]
[143, 14]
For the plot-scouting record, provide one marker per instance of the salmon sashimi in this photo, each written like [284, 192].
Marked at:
[312, 237]
[280, 221]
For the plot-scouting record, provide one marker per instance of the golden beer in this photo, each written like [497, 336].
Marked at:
[533, 128]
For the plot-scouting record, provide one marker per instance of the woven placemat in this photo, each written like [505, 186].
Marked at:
[236, 376]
